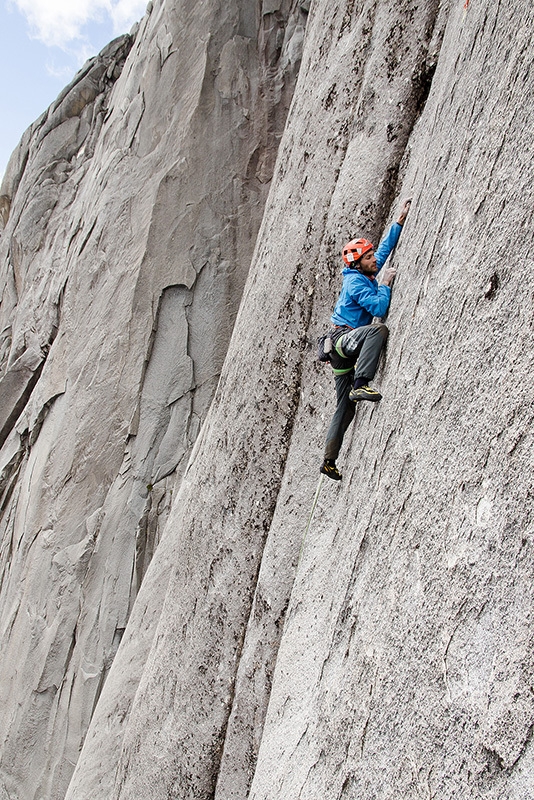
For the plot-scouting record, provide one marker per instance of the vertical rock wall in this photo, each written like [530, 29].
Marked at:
[405, 668]
[389, 654]
[130, 212]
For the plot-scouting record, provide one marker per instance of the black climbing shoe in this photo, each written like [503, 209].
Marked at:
[364, 393]
[329, 468]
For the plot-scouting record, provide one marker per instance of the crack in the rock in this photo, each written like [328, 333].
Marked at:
[385, 200]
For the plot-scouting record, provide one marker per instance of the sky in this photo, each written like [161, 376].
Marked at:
[43, 43]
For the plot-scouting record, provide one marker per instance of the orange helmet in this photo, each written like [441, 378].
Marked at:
[355, 249]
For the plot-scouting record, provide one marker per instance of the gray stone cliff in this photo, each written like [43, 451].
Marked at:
[130, 213]
[384, 649]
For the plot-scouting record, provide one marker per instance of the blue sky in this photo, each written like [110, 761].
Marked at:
[43, 43]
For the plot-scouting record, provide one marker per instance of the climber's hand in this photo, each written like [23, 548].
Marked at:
[405, 207]
[388, 275]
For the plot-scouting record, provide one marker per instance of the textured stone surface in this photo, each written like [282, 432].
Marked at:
[130, 213]
[405, 666]
[388, 653]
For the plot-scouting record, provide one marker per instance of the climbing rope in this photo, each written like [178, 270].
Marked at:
[314, 504]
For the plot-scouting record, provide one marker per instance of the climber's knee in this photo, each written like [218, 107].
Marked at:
[383, 330]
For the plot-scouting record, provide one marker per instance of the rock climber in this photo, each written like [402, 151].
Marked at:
[356, 342]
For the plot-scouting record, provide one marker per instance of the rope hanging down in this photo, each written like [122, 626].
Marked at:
[314, 504]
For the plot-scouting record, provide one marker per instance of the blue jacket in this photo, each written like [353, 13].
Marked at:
[361, 298]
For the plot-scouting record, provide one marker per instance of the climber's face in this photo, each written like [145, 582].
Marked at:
[368, 264]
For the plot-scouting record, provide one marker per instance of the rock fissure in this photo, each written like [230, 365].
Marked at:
[22, 375]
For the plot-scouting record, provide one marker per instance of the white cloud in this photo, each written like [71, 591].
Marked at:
[64, 72]
[125, 12]
[61, 22]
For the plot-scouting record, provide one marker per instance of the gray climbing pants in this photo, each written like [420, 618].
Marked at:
[365, 344]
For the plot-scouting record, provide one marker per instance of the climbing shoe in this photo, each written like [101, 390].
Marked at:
[364, 393]
[329, 468]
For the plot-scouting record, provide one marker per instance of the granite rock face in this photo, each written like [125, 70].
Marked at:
[129, 212]
[384, 648]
